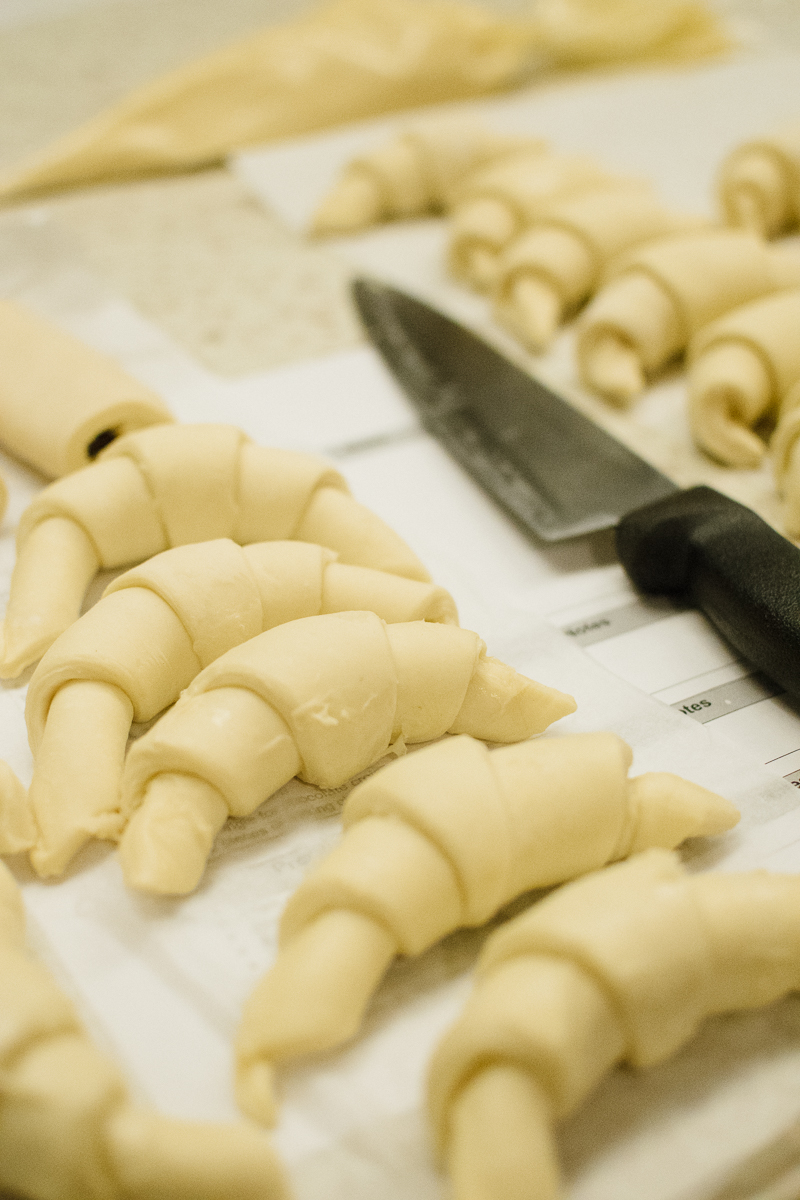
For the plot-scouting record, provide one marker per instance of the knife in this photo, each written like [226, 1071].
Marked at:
[561, 476]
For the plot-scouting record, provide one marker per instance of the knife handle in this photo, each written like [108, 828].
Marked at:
[724, 559]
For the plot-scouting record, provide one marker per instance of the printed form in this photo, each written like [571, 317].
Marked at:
[675, 655]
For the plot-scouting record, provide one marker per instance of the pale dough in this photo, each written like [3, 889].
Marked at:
[741, 368]
[321, 697]
[343, 60]
[660, 295]
[155, 628]
[785, 454]
[17, 827]
[60, 401]
[578, 32]
[621, 965]
[69, 1130]
[759, 183]
[547, 272]
[414, 174]
[165, 487]
[498, 203]
[439, 840]
[349, 59]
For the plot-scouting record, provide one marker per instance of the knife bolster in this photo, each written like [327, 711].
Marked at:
[720, 556]
[654, 543]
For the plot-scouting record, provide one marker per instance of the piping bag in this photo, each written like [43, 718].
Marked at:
[351, 59]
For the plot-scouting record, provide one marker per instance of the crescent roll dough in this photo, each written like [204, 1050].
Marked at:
[413, 174]
[60, 401]
[438, 840]
[323, 698]
[547, 272]
[68, 1129]
[343, 60]
[759, 183]
[497, 203]
[156, 627]
[741, 368]
[785, 452]
[165, 487]
[17, 828]
[660, 295]
[622, 965]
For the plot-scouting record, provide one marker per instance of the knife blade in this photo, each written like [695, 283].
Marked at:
[561, 476]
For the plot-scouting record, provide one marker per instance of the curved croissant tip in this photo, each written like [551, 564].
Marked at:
[745, 209]
[533, 311]
[719, 431]
[354, 203]
[719, 815]
[671, 809]
[612, 367]
[165, 846]
[17, 825]
[255, 1091]
[156, 1156]
[16, 656]
[478, 267]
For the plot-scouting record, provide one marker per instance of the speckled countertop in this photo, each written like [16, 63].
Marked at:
[195, 253]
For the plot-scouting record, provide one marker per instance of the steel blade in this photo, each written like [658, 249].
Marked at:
[552, 468]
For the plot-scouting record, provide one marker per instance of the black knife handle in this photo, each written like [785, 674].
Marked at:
[724, 559]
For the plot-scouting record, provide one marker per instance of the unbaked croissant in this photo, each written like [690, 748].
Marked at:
[165, 487]
[759, 183]
[662, 294]
[156, 627]
[785, 453]
[60, 401]
[741, 368]
[414, 173]
[443, 839]
[323, 698]
[17, 826]
[622, 965]
[69, 1130]
[547, 272]
[497, 203]
[344, 60]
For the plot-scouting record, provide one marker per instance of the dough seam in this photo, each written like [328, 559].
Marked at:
[741, 339]
[251, 574]
[428, 833]
[505, 808]
[665, 286]
[158, 509]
